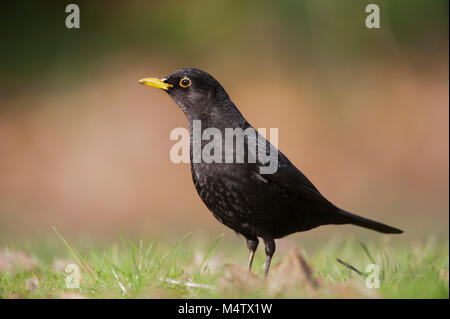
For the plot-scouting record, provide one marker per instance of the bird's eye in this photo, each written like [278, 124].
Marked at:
[185, 82]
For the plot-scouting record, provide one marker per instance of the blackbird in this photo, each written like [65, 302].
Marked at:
[253, 204]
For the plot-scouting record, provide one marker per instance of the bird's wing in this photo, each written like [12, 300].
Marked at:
[290, 179]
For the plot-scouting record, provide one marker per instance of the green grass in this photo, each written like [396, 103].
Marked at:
[190, 268]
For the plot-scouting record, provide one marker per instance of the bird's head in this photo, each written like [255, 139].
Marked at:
[193, 90]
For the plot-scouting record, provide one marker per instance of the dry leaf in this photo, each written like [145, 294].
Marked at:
[14, 261]
[237, 278]
[31, 284]
[443, 274]
[292, 273]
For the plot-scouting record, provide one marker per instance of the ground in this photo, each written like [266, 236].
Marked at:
[208, 268]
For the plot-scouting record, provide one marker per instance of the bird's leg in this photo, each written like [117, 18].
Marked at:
[252, 244]
[270, 250]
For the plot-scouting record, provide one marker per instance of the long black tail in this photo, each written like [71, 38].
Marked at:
[367, 223]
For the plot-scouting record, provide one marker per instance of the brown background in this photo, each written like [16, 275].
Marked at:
[86, 149]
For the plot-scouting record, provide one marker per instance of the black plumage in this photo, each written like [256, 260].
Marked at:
[254, 205]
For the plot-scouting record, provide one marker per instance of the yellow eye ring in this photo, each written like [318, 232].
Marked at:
[185, 82]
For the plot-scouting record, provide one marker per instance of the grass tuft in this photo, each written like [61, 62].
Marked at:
[192, 268]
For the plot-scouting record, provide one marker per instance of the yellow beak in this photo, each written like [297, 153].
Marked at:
[156, 83]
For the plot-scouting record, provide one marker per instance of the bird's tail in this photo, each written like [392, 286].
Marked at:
[367, 223]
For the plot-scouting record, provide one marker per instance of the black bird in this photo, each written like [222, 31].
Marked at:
[253, 204]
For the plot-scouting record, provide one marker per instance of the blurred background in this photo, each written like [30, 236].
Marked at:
[364, 113]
